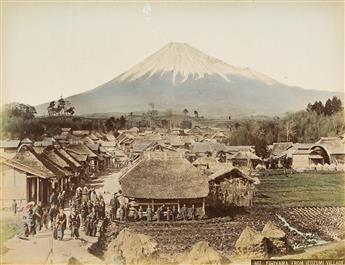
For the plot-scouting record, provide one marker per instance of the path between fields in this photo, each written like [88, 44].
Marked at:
[42, 249]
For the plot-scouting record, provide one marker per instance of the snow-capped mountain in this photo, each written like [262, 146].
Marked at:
[180, 59]
[179, 76]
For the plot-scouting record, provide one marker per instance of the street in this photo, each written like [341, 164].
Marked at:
[42, 249]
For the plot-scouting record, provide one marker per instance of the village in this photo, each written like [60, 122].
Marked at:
[190, 171]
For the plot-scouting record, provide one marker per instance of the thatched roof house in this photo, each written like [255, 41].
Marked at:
[230, 187]
[164, 177]
[332, 149]
[278, 150]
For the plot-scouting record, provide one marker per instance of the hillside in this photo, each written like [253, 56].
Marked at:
[179, 76]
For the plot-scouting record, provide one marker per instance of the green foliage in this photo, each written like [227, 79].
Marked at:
[61, 107]
[17, 121]
[301, 189]
[302, 127]
[113, 124]
[331, 107]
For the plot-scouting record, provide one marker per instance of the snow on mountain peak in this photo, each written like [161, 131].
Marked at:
[184, 61]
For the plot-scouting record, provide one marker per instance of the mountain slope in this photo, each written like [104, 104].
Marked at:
[179, 76]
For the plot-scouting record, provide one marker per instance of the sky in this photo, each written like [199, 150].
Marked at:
[61, 49]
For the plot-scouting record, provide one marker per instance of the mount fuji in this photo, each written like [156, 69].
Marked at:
[179, 76]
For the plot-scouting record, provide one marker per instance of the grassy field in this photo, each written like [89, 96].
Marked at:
[301, 189]
[10, 226]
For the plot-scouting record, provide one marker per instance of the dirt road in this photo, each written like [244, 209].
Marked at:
[42, 249]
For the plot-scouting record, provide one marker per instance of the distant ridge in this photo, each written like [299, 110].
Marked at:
[179, 76]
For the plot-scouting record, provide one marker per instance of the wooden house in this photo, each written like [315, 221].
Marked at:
[304, 159]
[245, 159]
[85, 157]
[26, 177]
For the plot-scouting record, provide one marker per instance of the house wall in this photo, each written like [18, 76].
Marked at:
[300, 161]
[13, 186]
[339, 158]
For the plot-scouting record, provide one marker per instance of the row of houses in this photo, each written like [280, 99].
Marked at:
[328, 153]
[196, 161]
[32, 170]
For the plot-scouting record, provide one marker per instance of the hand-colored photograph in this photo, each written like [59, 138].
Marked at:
[172, 133]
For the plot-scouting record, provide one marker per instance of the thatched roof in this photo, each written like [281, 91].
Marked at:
[81, 132]
[206, 160]
[244, 155]
[81, 149]
[55, 158]
[237, 148]
[140, 146]
[68, 158]
[333, 145]
[110, 137]
[26, 160]
[164, 175]
[203, 147]
[279, 149]
[9, 143]
[78, 157]
[93, 137]
[107, 143]
[230, 172]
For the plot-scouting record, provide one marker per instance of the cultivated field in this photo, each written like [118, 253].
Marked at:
[301, 189]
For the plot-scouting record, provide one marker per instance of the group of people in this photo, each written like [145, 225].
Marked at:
[86, 209]
[122, 210]
[90, 207]
[166, 213]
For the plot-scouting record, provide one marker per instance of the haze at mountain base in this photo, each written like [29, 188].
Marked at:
[179, 76]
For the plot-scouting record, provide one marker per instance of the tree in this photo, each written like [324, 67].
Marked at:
[61, 107]
[20, 110]
[290, 130]
[196, 114]
[336, 104]
[261, 149]
[70, 111]
[152, 114]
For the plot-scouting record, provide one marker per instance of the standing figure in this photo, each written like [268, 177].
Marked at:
[174, 213]
[14, 206]
[31, 222]
[193, 212]
[93, 197]
[61, 224]
[53, 212]
[85, 195]
[91, 227]
[84, 212]
[45, 218]
[183, 212]
[61, 199]
[38, 211]
[149, 214]
[168, 213]
[102, 208]
[53, 199]
[74, 224]
[140, 213]
[26, 231]
[159, 213]
[114, 206]
[121, 213]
